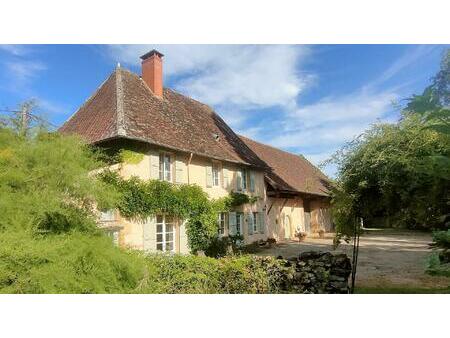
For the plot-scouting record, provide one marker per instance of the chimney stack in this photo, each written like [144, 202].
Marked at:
[152, 72]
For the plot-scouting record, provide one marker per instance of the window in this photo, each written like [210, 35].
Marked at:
[165, 172]
[221, 223]
[239, 221]
[215, 174]
[165, 233]
[114, 235]
[252, 181]
[107, 215]
[244, 179]
[255, 222]
[241, 180]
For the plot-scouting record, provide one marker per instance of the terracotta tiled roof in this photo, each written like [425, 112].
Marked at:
[124, 107]
[289, 172]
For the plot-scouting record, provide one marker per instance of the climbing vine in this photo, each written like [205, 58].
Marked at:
[129, 156]
[140, 199]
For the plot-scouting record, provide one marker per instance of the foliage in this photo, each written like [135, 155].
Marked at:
[399, 171]
[439, 261]
[194, 274]
[85, 263]
[45, 184]
[236, 199]
[436, 267]
[130, 156]
[220, 246]
[441, 239]
[68, 263]
[140, 199]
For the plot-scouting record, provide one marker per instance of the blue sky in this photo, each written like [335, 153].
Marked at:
[307, 99]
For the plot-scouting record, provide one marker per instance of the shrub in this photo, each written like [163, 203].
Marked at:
[49, 175]
[218, 247]
[439, 261]
[195, 274]
[86, 263]
[68, 263]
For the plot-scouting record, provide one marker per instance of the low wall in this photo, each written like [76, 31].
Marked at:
[318, 272]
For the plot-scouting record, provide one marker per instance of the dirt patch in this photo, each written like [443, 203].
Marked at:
[386, 257]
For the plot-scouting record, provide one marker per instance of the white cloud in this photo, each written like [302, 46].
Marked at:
[357, 106]
[17, 50]
[21, 73]
[242, 76]
[319, 129]
[240, 80]
[333, 120]
[405, 61]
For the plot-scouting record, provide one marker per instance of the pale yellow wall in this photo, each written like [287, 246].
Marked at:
[320, 216]
[293, 208]
[134, 233]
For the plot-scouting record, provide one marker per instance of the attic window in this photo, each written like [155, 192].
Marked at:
[216, 137]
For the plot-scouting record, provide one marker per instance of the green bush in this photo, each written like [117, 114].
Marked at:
[439, 261]
[45, 183]
[68, 263]
[195, 274]
[87, 263]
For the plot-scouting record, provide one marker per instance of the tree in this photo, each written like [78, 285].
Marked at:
[399, 172]
[45, 183]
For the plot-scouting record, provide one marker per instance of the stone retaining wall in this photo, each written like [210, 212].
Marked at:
[319, 272]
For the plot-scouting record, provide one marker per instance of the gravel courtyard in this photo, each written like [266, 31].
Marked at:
[387, 258]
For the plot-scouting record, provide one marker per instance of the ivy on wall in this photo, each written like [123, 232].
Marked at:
[130, 156]
[140, 199]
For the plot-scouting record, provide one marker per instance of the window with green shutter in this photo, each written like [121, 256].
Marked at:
[209, 178]
[252, 181]
[232, 217]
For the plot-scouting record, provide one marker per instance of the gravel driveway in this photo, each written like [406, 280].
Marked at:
[386, 257]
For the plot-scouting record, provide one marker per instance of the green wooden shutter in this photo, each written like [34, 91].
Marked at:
[149, 234]
[209, 176]
[180, 170]
[250, 222]
[232, 224]
[262, 223]
[252, 181]
[154, 165]
[225, 178]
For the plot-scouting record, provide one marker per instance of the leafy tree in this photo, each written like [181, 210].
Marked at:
[45, 185]
[400, 171]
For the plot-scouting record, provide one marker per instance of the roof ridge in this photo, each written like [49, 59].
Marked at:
[119, 104]
[289, 153]
[270, 146]
[90, 98]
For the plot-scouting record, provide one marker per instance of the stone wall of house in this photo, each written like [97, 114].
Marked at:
[319, 272]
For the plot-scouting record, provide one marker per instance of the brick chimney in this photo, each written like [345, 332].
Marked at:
[152, 72]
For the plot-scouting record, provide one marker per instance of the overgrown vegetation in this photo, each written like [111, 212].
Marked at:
[79, 263]
[139, 199]
[439, 262]
[49, 241]
[399, 173]
[45, 186]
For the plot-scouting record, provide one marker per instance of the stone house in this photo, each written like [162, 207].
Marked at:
[184, 141]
